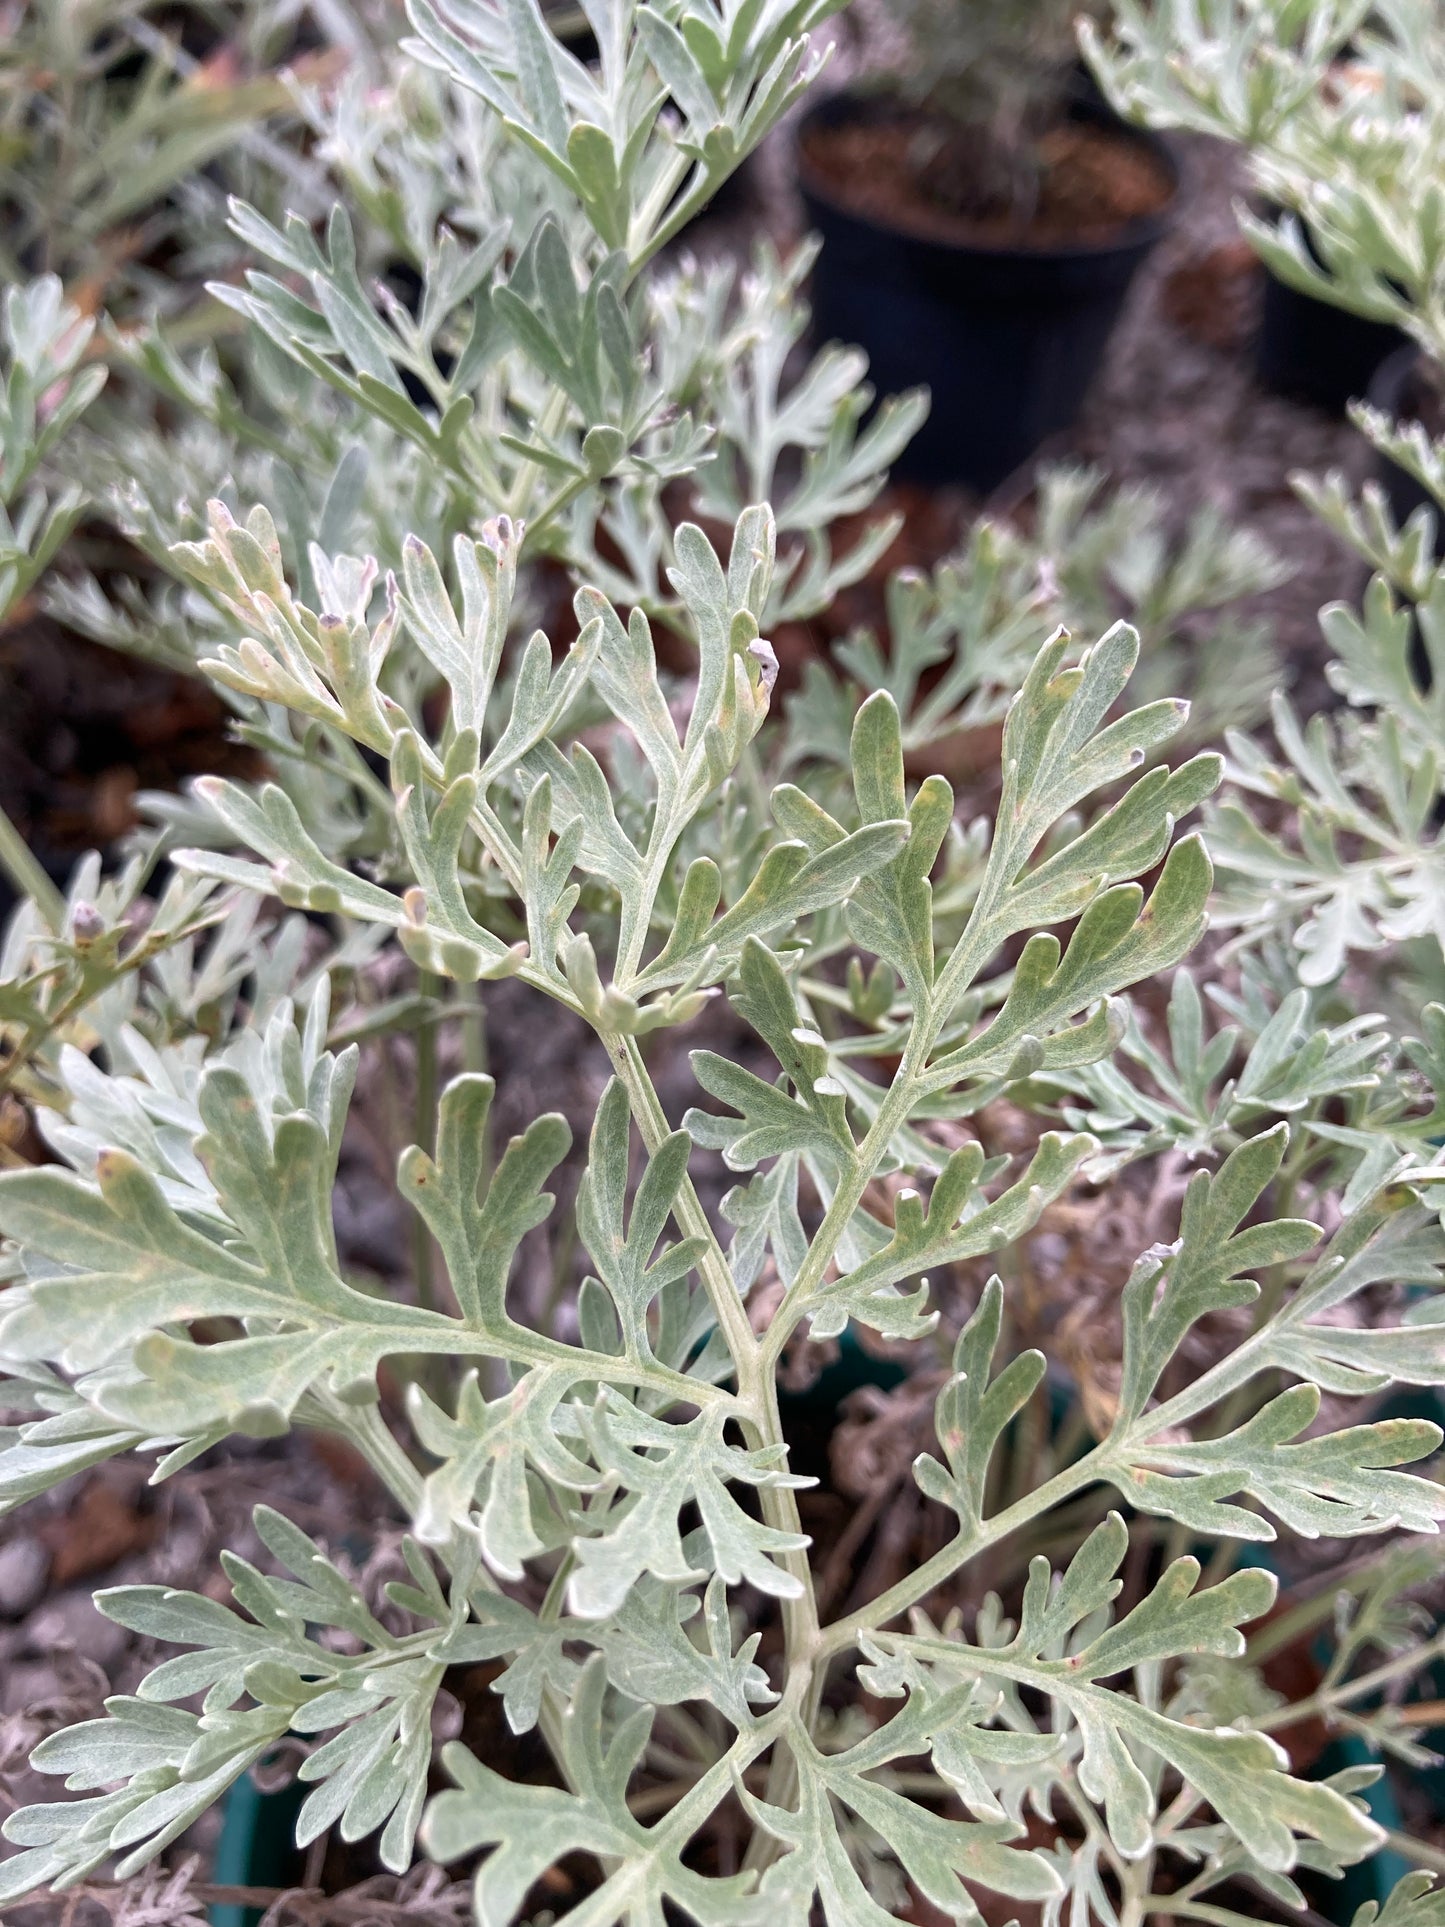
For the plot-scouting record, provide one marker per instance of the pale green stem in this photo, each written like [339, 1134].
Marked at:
[713, 1787]
[1328, 1699]
[652, 211]
[551, 1609]
[474, 1048]
[365, 1428]
[1317, 1610]
[1207, 1390]
[757, 1393]
[1236, 1406]
[1420, 1851]
[373, 1438]
[667, 828]
[424, 1129]
[807, 1671]
[714, 1269]
[50, 1025]
[975, 946]
[1136, 1880]
[1087, 1815]
[553, 416]
[553, 507]
[521, 1346]
[892, 1112]
[637, 911]
[909, 1591]
[29, 877]
[497, 842]
[500, 847]
[1185, 1802]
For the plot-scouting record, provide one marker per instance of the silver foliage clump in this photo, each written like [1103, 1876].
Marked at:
[603, 1505]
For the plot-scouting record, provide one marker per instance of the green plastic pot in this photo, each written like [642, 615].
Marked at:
[257, 1847]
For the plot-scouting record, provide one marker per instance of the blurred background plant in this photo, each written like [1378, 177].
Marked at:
[995, 81]
[1341, 110]
[122, 125]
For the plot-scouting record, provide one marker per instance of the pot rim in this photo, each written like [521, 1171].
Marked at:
[1142, 230]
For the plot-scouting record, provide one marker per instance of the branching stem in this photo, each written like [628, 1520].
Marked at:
[917, 1585]
[757, 1394]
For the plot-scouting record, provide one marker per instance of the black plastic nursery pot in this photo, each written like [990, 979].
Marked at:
[1007, 338]
[1312, 351]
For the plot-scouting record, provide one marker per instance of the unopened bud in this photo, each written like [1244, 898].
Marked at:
[86, 922]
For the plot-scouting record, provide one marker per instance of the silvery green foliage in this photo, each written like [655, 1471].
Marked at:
[626, 1450]
[86, 965]
[71, 969]
[69, 962]
[604, 1506]
[1001, 67]
[542, 374]
[174, 1761]
[110, 128]
[579, 416]
[43, 343]
[1414, 1902]
[1203, 1084]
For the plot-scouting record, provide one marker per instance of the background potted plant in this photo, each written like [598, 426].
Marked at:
[982, 217]
[1341, 110]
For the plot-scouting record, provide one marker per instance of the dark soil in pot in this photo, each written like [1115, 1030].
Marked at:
[1004, 314]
